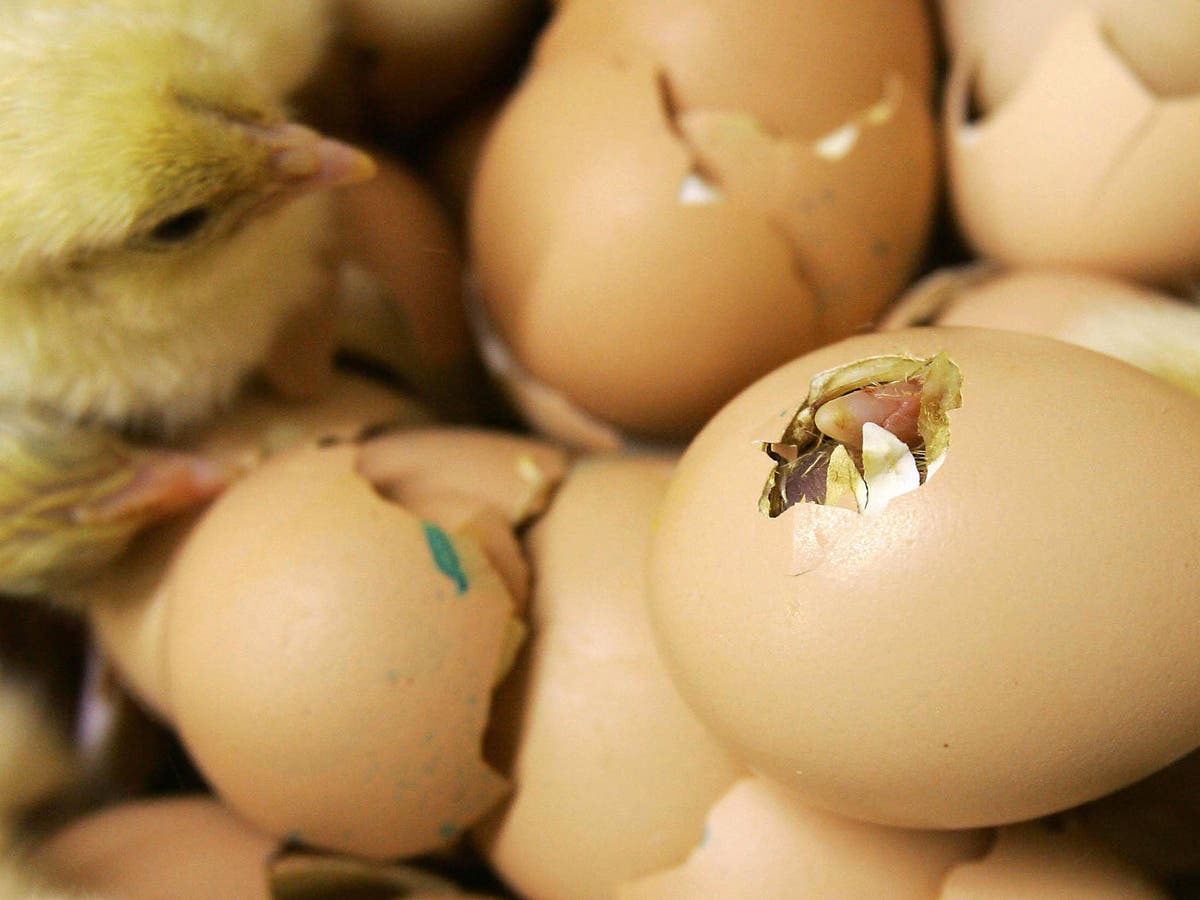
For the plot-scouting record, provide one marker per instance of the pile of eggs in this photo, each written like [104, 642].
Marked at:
[786, 494]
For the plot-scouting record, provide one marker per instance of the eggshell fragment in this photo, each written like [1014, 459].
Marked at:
[760, 842]
[1148, 329]
[991, 646]
[607, 758]
[186, 848]
[1038, 863]
[358, 649]
[1084, 165]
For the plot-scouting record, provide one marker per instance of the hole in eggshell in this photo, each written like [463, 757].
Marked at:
[866, 433]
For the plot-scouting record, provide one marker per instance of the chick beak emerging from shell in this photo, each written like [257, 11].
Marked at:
[305, 160]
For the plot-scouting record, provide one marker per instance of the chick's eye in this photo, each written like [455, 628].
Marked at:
[181, 226]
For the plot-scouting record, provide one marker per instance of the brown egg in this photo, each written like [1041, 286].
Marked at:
[760, 842]
[1151, 330]
[669, 231]
[359, 641]
[1004, 630]
[1036, 862]
[1085, 164]
[185, 848]
[607, 758]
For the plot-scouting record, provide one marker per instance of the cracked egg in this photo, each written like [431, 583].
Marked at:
[1000, 639]
[1085, 163]
[325, 637]
[706, 239]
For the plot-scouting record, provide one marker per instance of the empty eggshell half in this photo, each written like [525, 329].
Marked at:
[1151, 330]
[1040, 862]
[1083, 165]
[995, 642]
[759, 841]
[606, 756]
[126, 601]
[330, 660]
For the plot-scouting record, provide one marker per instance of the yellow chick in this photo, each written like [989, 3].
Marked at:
[160, 218]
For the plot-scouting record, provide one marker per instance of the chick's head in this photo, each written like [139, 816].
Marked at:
[126, 139]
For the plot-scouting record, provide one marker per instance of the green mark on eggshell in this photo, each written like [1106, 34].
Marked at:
[445, 556]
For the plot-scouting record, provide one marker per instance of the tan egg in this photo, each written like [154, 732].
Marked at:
[185, 848]
[1084, 165]
[897, 575]
[417, 58]
[606, 756]
[360, 641]
[713, 56]
[1158, 40]
[1151, 330]
[591, 233]
[126, 602]
[760, 842]
[401, 285]
[1037, 862]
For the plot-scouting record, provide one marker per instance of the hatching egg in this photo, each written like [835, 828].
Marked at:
[939, 577]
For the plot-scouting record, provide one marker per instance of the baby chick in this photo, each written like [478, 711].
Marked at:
[160, 219]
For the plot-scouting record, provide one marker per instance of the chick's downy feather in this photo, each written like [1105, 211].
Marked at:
[113, 126]
[160, 219]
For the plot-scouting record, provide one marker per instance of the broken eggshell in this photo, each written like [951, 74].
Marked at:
[360, 639]
[988, 647]
[1083, 165]
[126, 600]
[372, 636]
[606, 757]
[671, 231]
[1151, 330]
[760, 841]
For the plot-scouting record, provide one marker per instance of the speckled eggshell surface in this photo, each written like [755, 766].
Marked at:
[1014, 636]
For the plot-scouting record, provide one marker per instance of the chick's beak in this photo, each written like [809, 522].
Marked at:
[306, 160]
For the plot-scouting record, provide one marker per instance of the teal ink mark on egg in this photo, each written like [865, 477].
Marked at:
[445, 556]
